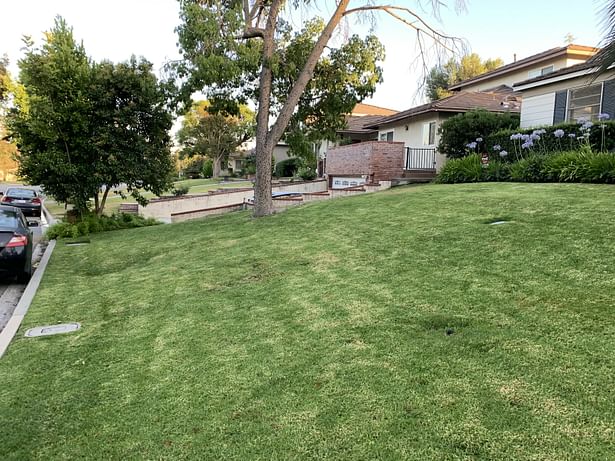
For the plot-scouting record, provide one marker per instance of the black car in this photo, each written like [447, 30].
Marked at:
[15, 244]
[27, 200]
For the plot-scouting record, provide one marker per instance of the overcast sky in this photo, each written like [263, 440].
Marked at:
[115, 29]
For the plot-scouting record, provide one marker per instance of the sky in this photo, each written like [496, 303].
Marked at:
[116, 29]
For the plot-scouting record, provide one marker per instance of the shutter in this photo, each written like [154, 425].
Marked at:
[608, 99]
[559, 111]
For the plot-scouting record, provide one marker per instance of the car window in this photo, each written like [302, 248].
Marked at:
[8, 219]
[21, 193]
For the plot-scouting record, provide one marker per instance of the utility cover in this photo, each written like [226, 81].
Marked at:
[52, 329]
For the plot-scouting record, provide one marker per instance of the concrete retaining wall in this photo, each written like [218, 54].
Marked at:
[172, 209]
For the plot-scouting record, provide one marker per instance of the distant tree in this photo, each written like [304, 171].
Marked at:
[455, 71]
[207, 131]
[4, 78]
[83, 128]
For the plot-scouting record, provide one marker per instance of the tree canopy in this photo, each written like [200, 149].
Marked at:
[214, 134]
[84, 127]
[244, 50]
[455, 71]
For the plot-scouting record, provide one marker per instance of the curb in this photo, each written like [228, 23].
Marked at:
[48, 216]
[7, 335]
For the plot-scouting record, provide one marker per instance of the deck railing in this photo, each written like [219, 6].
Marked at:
[420, 158]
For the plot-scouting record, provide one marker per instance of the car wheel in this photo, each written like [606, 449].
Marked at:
[25, 277]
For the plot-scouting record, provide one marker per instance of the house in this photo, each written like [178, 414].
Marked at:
[537, 65]
[417, 131]
[567, 95]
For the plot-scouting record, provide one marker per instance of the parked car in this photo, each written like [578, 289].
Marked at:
[15, 243]
[27, 200]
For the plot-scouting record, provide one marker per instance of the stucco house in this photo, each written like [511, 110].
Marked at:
[418, 128]
[567, 95]
[537, 65]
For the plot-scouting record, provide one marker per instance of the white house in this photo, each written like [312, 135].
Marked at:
[567, 96]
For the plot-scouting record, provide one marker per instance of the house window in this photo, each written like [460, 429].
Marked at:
[540, 72]
[388, 136]
[584, 102]
[429, 133]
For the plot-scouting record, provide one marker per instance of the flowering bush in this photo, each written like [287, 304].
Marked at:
[599, 136]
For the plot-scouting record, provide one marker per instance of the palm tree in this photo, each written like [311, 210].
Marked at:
[606, 56]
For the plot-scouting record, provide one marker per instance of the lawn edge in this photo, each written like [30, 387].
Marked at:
[10, 330]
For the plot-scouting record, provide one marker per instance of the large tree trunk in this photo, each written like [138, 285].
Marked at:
[267, 139]
[216, 167]
[263, 204]
[101, 205]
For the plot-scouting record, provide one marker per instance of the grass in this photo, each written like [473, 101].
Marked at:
[397, 325]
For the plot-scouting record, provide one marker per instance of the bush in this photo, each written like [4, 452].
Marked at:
[91, 223]
[458, 131]
[457, 170]
[288, 167]
[208, 169]
[306, 173]
[529, 169]
[179, 191]
[573, 166]
[601, 138]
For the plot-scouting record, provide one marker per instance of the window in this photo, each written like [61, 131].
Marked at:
[429, 133]
[540, 72]
[584, 102]
[388, 136]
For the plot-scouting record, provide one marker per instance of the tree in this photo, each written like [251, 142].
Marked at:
[234, 50]
[214, 135]
[84, 128]
[4, 78]
[455, 71]
[606, 56]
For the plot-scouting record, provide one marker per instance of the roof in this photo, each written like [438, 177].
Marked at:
[357, 124]
[362, 109]
[579, 51]
[460, 102]
[589, 65]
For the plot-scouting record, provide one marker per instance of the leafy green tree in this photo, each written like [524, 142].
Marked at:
[455, 71]
[4, 78]
[84, 128]
[214, 135]
[241, 50]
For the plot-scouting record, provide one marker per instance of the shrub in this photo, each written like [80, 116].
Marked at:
[496, 171]
[601, 138]
[528, 169]
[288, 167]
[458, 131]
[179, 191]
[91, 223]
[306, 173]
[208, 169]
[466, 169]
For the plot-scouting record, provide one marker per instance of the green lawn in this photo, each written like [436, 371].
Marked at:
[321, 333]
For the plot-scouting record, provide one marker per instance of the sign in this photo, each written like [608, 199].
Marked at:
[485, 159]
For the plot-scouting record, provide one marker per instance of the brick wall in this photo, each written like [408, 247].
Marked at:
[384, 160]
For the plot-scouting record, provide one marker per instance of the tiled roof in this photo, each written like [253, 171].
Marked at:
[357, 124]
[369, 109]
[460, 102]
